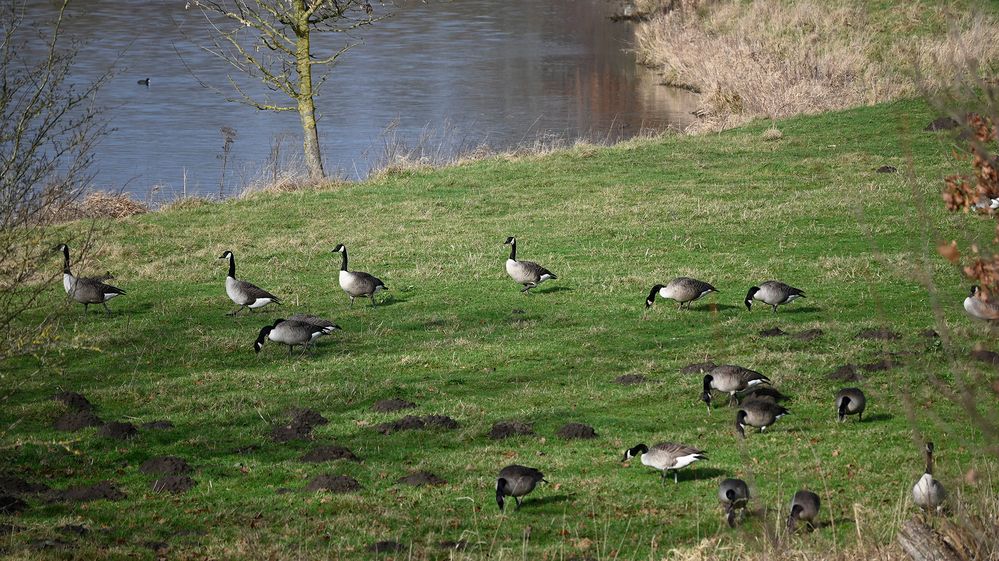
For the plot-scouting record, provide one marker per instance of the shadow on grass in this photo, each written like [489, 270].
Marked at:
[551, 290]
[546, 500]
[877, 417]
[800, 310]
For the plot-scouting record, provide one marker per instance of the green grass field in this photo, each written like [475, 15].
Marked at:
[455, 336]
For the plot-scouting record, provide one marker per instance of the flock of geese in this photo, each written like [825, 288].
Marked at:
[757, 401]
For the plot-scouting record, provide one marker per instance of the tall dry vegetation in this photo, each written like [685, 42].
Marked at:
[772, 58]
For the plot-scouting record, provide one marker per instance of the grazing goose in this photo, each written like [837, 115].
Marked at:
[850, 401]
[734, 496]
[357, 283]
[979, 308]
[683, 290]
[665, 456]
[293, 332]
[762, 393]
[527, 273]
[928, 493]
[86, 290]
[773, 293]
[731, 379]
[804, 507]
[246, 294]
[516, 481]
[757, 414]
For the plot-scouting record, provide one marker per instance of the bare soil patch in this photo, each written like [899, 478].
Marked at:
[73, 401]
[576, 431]
[887, 169]
[329, 454]
[74, 529]
[422, 478]
[333, 483]
[385, 547]
[390, 405]
[942, 124]
[773, 332]
[11, 505]
[165, 465]
[986, 356]
[175, 484]
[507, 429]
[305, 417]
[845, 373]
[12, 485]
[630, 379]
[118, 430]
[156, 425]
[73, 421]
[104, 490]
[808, 334]
[287, 433]
[413, 422]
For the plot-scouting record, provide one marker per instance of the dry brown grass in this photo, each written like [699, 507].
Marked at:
[774, 59]
[98, 205]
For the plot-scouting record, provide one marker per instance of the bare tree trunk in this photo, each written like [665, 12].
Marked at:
[921, 543]
[306, 105]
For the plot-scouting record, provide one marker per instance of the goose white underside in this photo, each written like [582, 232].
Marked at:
[258, 302]
[927, 492]
[110, 295]
[681, 462]
[67, 283]
[792, 298]
[753, 383]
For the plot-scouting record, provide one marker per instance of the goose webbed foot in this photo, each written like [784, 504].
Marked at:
[107, 310]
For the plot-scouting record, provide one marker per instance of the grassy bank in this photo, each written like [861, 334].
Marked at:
[776, 58]
[455, 336]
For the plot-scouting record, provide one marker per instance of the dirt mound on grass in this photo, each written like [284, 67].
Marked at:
[773, 332]
[329, 454]
[413, 422]
[448, 544]
[808, 335]
[287, 433]
[880, 365]
[630, 379]
[986, 356]
[175, 484]
[11, 505]
[156, 425]
[385, 547]
[304, 417]
[333, 483]
[887, 169]
[422, 478]
[929, 334]
[74, 529]
[576, 430]
[105, 490]
[698, 368]
[942, 124]
[507, 429]
[73, 421]
[11, 485]
[390, 405]
[165, 465]
[882, 334]
[118, 431]
[845, 373]
[73, 401]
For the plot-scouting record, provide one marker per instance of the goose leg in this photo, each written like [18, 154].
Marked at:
[775, 308]
[351, 301]
[373, 299]
[236, 311]
[518, 503]
[107, 310]
[675, 478]
[85, 306]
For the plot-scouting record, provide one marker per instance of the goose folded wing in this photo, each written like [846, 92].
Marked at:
[255, 292]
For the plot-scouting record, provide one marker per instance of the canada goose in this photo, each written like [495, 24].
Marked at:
[516, 481]
[86, 290]
[757, 414]
[805, 507]
[762, 393]
[773, 293]
[928, 493]
[357, 283]
[730, 378]
[143, 82]
[665, 456]
[293, 332]
[527, 273]
[979, 308]
[683, 290]
[850, 401]
[246, 294]
[734, 496]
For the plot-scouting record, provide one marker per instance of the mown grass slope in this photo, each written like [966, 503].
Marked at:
[455, 336]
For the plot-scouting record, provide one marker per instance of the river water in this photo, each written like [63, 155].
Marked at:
[435, 79]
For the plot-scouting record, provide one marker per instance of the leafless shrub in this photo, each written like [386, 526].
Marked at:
[48, 127]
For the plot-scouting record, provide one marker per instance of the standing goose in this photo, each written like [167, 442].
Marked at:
[516, 481]
[979, 308]
[245, 294]
[731, 379]
[757, 414]
[773, 293]
[683, 290]
[850, 401]
[928, 493]
[665, 456]
[733, 494]
[527, 273]
[357, 283]
[294, 332]
[86, 290]
[804, 507]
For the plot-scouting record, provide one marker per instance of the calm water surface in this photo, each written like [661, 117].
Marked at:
[444, 76]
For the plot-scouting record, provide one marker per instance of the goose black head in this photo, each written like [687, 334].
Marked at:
[652, 295]
[501, 484]
[844, 403]
[226, 255]
[740, 423]
[634, 452]
[706, 394]
[974, 291]
[929, 447]
[749, 297]
[259, 343]
[792, 520]
[510, 240]
[339, 248]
